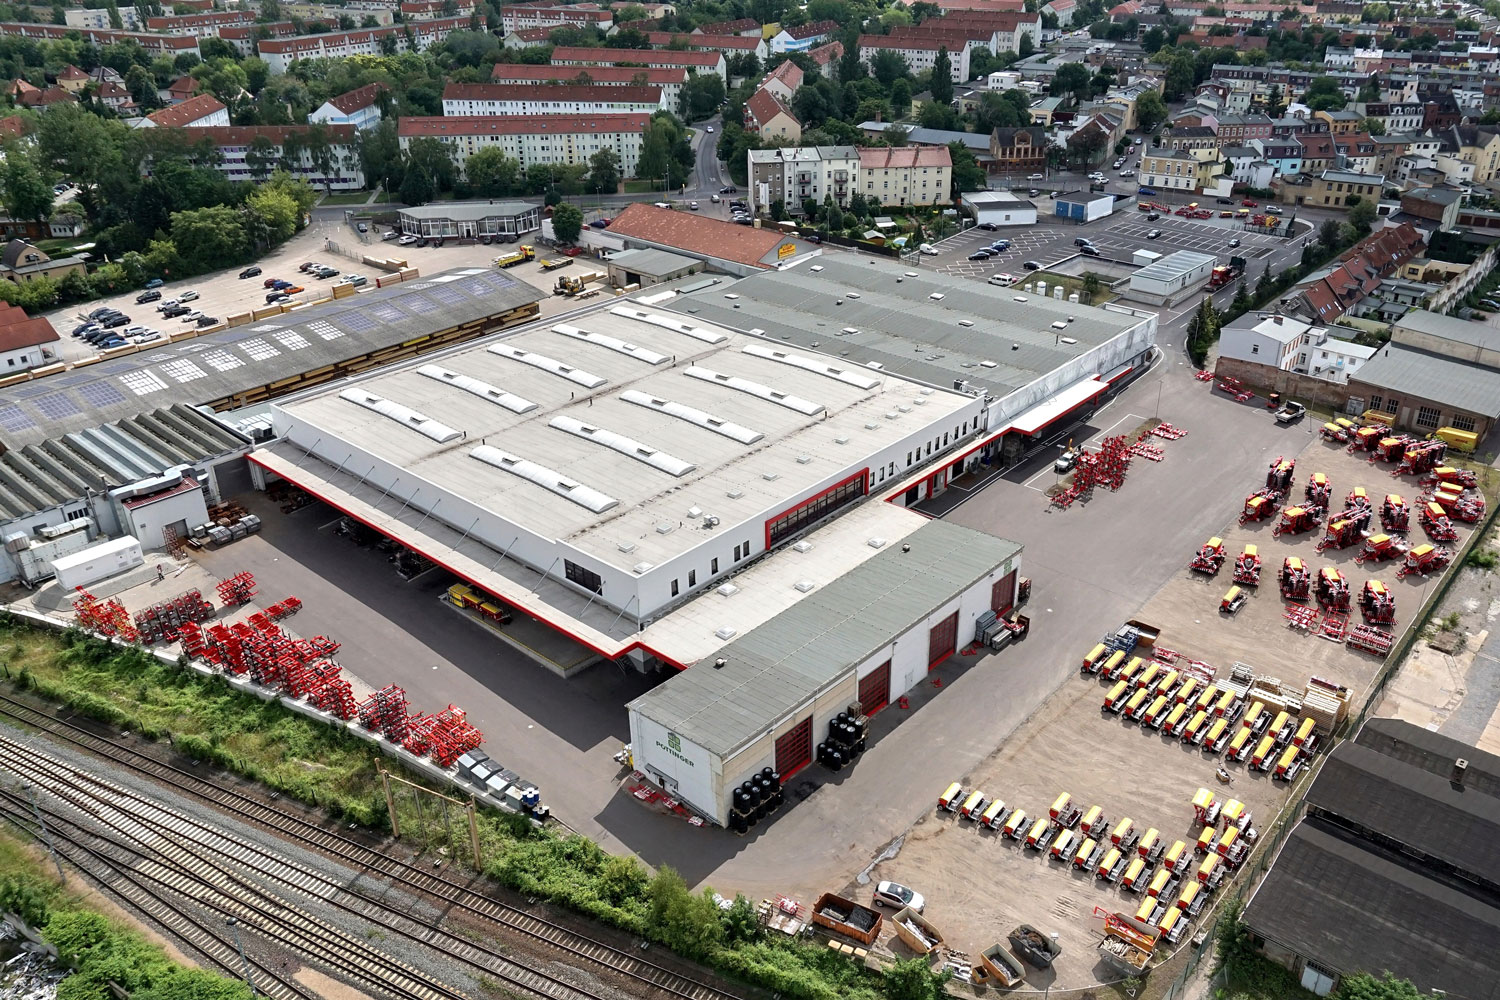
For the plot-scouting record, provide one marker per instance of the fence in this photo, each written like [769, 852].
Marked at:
[844, 241]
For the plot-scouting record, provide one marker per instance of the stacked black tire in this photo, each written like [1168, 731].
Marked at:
[755, 799]
[846, 741]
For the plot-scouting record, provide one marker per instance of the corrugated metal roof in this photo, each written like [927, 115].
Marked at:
[654, 262]
[1420, 375]
[776, 667]
[1460, 331]
[1174, 265]
[221, 364]
[64, 468]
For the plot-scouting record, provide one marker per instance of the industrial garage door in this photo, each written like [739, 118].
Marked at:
[1003, 594]
[794, 749]
[942, 641]
[875, 689]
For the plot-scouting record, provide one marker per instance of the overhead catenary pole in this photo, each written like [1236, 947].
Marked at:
[46, 834]
[234, 925]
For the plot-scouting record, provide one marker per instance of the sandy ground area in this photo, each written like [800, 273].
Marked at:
[980, 886]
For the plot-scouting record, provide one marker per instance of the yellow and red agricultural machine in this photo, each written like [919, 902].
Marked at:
[1279, 475]
[1425, 559]
[1332, 590]
[1377, 603]
[1294, 579]
[1295, 520]
[1395, 515]
[1380, 548]
[1247, 567]
[1316, 491]
[1260, 505]
[1210, 557]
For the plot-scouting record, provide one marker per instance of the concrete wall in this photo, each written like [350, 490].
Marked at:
[1268, 378]
[1461, 285]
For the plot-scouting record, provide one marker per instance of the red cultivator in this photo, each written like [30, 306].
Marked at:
[1421, 457]
[1295, 580]
[1345, 528]
[1365, 439]
[1279, 475]
[1370, 639]
[1209, 558]
[1390, 448]
[1295, 520]
[444, 737]
[1106, 467]
[1247, 567]
[1435, 522]
[1317, 490]
[1380, 548]
[160, 622]
[385, 712]
[1448, 474]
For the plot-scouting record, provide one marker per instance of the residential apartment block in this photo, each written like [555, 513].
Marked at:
[203, 111]
[281, 53]
[794, 174]
[205, 25]
[549, 99]
[531, 139]
[432, 10]
[288, 149]
[170, 46]
[98, 18]
[693, 62]
[547, 14]
[669, 80]
[804, 37]
[907, 175]
[730, 45]
[768, 116]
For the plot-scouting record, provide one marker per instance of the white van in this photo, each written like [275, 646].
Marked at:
[928, 248]
[1003, 280]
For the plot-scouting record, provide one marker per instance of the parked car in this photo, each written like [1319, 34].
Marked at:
[1090, 251]
[147, 337]
[118, 319]
[154, 283]
[392, 235]
[1000, 245]
[1036, 177]
[269, 283]
[250, 272]
[326, 272]
[1148, 192]
[928, 249]
[102, 311]
[293, 289]
[1125, 174]
[355, 279]
[1152, 216]
[208, 320]
[145, 297]
[307, 265]
[111, 343]
[983, 253]
[1033, 192]
[604, 223]
[133, 331]
[1234, 242]
[1155, 234]
[1273, 209]
[692, 206]
[174, 310]
[192, 316]
[709, 129]
[281, 284]
[990, 226]
[1032, 265]
[1249, 203]
[1226, 201]
[83, 328]
[1083, 241]
[1065, 462]
[897, 896]
[362, 227]
[187, 296]
[715, 199]
[276, 298]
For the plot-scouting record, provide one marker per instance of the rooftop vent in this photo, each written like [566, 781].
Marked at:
[665, 527]
[626, 547]
[770, 477]
[730, 295]
[876, 543]
[695, 512]
[849, 331]
[803, 586]
[803, 459]
[641, 567]
[903, 408]
[816, 267]
[988, 364]
[727, 590]
[1060, 325]
[851, 295]
[726, 633]
[404, 415]
[966, 322]
[734, 494]
[802, 546]
[870, 425]
[927, 391]
[1021, 298]
[935, 296]
[911, 274]
[841, 439]
[1069, 340]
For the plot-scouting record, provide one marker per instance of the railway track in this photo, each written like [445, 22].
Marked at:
[211, 944]
[438, 886]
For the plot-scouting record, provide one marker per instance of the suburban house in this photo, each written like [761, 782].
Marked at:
[359, 107]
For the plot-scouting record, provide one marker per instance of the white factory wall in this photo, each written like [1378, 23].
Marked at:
[707, 782]
[1130, 346]
[184, 510]
[649, 593]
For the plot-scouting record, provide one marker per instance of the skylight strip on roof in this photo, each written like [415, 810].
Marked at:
[806, 407]
[814, 365]
[654, 457]
[709, 422]
[403, 415]
[575, 375]
[484, 390]
[668, 323]
[539, 475]
[612, 343]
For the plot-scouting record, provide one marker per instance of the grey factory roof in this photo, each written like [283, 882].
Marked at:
[221, 364]
[469, 211]
[1458, 384]
[779, 665]
[1174, 265]
[58, 470]
[1352, 906]
[1411, 804]
[654, 262]
[901, 327]
[1459, 331]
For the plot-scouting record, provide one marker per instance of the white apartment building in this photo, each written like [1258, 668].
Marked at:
[98, 18]
[693, 62]
[921, 53]
[794, 174]
[534, 139]
[670, 80]
[460, 99]
[516, 17]
[281, 53]
[1290, 345]
[340, 172]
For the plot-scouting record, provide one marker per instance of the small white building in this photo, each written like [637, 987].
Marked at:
[998, 208]
[25, 342]
[359, 107]
[1084, 206]
[1289, 344]
[1171, 278]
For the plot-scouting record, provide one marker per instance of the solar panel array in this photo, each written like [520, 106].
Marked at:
[221, 364]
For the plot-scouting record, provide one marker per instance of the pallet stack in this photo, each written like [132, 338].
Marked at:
[160, 622]
[385, 711]
[108, 618]
[332, 693]
[236, 590]
[442, 737]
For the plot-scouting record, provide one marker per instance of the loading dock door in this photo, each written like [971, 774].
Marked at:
[1003, 594]
[794, 749]
[875, 689]
[942, 641]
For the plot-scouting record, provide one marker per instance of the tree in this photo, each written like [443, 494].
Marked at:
[701, 96]
[1241, 298]
[895, 135]
[1202, 330]
[492, 174]
[260, 157]
[1328, 234]
[1091, 285]
[1363, 986]
[1374, 126]
[887, 66]
[271, 217]
[210, 237]
[941, 85]
[27, 192]
[1323, 94]
[1275, 103]
[1071, 78]
[656, 153]
[1150, 110]
[567, 222]
[1362, 216]
[967, 174]
[1026, 47]
[688, 924]
[1086, 145]
[914, 979]
[433, 159]
[604, 171]
[900, 98]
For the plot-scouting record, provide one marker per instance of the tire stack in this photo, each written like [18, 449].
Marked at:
[846, 741]
[755, 799]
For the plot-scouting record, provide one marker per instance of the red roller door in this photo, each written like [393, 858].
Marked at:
[794, 749]
[942, 640]
[875, 689]
[1003, 594]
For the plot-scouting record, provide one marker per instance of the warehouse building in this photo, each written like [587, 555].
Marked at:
[1393, 868]
[1035, 363]
[863, 640]
[649, 267]
[470, 219]
[1172, 278]
[599, 474]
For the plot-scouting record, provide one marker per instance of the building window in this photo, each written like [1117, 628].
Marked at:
[815, 509]
[1254, 348]
[674, 588]
[1459, 420]
[1375, 402]
[713, 565]
[585, 578]
[692, 578]
[1391, 406]
[1428, 417]
[736, 553]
